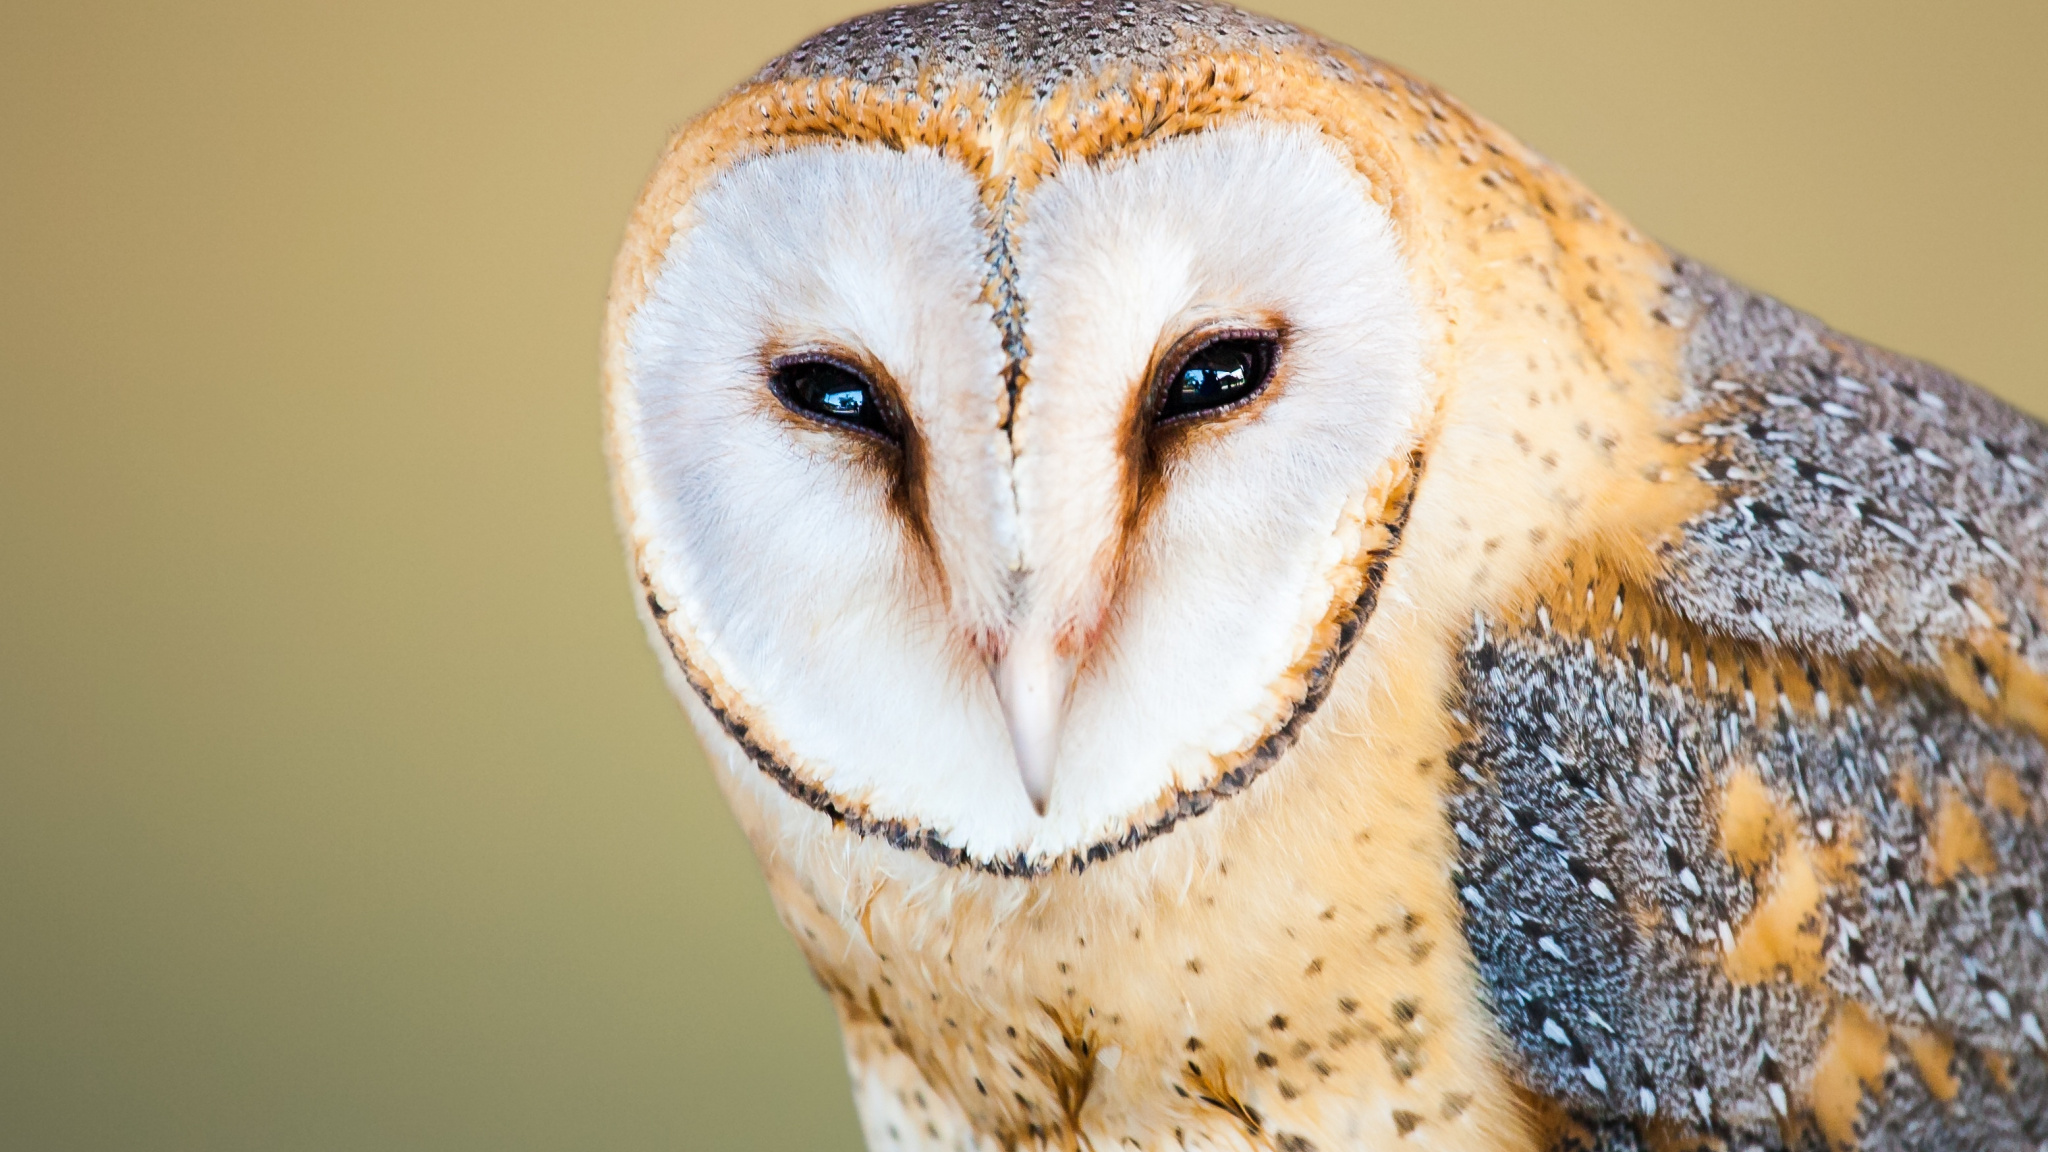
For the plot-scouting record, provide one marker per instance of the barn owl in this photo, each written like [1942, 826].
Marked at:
[1241, 608]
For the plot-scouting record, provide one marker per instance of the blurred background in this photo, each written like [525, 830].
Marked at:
[341, 803]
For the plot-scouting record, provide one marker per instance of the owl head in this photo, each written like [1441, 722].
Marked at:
[1016, 409]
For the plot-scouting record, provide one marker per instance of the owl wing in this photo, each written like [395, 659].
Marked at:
[1870, 503]
[1754, 849]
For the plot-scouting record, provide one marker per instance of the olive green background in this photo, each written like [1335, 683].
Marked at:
[341, 803]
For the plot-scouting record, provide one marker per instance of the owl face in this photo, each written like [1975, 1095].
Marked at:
[1012, 526]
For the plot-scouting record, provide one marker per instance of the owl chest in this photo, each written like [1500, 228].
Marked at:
[1209, 996]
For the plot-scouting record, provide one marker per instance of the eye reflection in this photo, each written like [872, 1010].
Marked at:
[832, 394]
[1217, 375]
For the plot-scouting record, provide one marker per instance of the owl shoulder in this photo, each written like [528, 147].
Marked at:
[1868, 502]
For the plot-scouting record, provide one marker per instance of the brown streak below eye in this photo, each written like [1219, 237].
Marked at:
[1245, 359]
[1221, 373]
[862, 402]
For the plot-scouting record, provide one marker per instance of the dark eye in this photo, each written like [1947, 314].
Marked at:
[833, 394]
[1217, 375]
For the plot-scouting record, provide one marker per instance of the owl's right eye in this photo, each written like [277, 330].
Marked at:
[832, 393]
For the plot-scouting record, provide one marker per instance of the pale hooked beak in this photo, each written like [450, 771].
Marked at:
[1032, 681]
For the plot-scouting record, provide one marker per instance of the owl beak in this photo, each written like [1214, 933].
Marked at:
[1032, 680]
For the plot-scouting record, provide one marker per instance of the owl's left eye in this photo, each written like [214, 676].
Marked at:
[833, 394]
[1219, 373]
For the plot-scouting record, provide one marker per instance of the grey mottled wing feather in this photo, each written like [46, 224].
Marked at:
[1881, 521]
[1871, 498]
